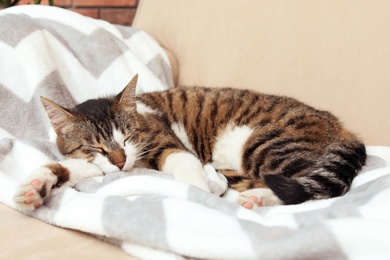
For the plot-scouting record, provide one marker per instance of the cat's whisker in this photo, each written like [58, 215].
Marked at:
[156, 149]
[144, 156]
[148, 154]
[142, 146]
[141, 158]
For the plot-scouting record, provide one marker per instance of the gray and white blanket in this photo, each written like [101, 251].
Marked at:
[47, 51]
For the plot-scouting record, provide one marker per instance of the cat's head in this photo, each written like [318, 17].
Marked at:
[102, 131]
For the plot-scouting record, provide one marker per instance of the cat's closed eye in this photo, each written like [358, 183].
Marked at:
[101, 150]
[92, 150]
[128, 139]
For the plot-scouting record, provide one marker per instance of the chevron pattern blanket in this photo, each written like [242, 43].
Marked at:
[70, 58]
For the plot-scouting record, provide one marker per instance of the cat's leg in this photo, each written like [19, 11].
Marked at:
[185, 166]
[258, 197]
[253, 198]
[216, 181]
[32, 191]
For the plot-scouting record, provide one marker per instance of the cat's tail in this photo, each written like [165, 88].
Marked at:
[331, 176]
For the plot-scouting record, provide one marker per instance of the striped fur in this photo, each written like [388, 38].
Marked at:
[299, 152]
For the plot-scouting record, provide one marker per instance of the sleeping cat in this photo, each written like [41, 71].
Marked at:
[273, 149]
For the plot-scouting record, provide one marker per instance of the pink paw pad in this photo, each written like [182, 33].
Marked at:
[28, 194]
[37, 204]
[36, 182]
[247, 205]
[253, 200]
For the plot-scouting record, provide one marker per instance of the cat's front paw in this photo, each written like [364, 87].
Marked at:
[32, 192]
[255, 198]
[216, 181]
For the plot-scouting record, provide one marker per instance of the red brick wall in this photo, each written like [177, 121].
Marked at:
[113, 11]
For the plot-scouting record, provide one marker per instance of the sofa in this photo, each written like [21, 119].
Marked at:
[332, 55]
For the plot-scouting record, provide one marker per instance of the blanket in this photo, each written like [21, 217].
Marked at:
[48, 51]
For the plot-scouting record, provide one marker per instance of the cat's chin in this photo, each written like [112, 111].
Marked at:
[103, 163]
[112, 168]
[109, 168]
[129, 165]
[127, 169]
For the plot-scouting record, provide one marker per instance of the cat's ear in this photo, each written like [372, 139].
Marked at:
[127, 96]
[59, 116]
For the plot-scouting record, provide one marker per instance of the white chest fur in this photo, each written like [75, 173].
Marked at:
[228, 148]
[180, 132]
[227, 152]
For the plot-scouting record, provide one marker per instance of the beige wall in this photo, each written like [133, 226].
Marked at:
[334, 55]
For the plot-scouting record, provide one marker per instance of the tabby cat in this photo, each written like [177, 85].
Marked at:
[273, 149]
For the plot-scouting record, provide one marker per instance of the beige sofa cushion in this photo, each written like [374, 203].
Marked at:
[334, 55]
[22, 237]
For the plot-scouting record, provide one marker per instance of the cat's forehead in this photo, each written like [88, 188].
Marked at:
[118, 135]
[98, 111]
[102, 115]
[94, 106]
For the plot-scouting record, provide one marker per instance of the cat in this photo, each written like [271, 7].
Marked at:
[272, 149]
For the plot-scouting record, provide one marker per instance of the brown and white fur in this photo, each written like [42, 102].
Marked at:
[273, 149]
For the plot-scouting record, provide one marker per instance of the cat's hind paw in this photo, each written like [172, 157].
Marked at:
[255, 198]
[32, 192]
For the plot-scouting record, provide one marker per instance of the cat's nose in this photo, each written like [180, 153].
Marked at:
[120, 165]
